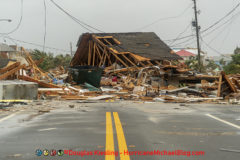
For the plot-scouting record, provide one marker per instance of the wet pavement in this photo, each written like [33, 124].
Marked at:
[209, 130]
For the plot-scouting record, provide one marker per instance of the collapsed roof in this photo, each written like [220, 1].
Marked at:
[142, 46]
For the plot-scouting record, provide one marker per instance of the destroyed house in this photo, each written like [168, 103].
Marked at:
[125, 49]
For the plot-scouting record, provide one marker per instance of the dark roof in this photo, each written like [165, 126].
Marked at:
[145, 44]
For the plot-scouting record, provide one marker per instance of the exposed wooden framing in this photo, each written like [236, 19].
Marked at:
[102, 61]
[39, 61]
[103, 37]
[107, 41]
[99, 55]
[108, 56]
[102, 57]
[116, 41]
[42, 84]
[5, 69]
[98, 41]
[119, 59]
[231, 86]
[94, 53]
[158, 63]
[89, 52]
[140, 62]
[236, 83]
[128, 60]
[150, 63]
[219, 86]
[11, 72]
[225, 89]
[143, 63]
[34, 65]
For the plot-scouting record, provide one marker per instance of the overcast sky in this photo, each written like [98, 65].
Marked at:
[120, 16]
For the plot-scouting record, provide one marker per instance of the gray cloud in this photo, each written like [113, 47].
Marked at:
[117, 16]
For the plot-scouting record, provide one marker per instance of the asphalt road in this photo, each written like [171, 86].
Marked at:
[211, 131]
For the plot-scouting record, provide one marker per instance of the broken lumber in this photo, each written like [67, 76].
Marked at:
[8, 68]
[5, 75]
[41, 84]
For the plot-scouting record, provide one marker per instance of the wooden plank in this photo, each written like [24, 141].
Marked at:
[94, 53]
[73, 97]
[116, 41]
[102, 60]
[129, 60]
[150, 63]
[231, 86]
[99, 55]
[219, 86]
[108, 56]
[119, 59]
[98, 41]
[105, 56]
[34, 65]
[107, 41]
[41, 84]
[11, 72]
[158, 63]
[103, 37]
[89, 53]
[8, 68]
[38, 62]
[236, 83]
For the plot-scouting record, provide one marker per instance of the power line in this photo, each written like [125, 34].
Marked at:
[229, 30]
[221, 19]
[45, 24]
[225, 23]
[211, 26]
[38, 45]
[19, 23]
[185, 37]
[209, 33]
[162, 19]
[81, 23]
[190, 39]
[180, 34]
[213, 49]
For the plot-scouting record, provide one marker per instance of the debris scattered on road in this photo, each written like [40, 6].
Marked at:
[106, 68]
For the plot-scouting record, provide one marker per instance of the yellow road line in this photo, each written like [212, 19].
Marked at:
[109, 137]
[15, 100]
[122, 145]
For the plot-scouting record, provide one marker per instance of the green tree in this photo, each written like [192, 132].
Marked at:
[234, 66]
[212, 65]
[192, 63]
[237, 50]
[50, 61]
[222, 62]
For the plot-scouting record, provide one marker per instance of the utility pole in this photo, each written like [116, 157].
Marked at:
[195, 24]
